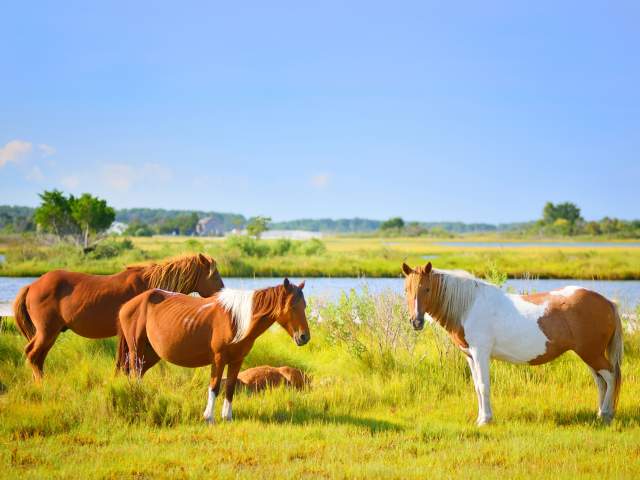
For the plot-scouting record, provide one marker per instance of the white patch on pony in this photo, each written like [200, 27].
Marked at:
[240, 304]
[208, 411]
[206, 305]
[506, 326]
[226, 410]
[566, 291]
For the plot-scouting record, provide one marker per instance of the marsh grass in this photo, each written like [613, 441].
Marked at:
[333, 256]
[400, 405]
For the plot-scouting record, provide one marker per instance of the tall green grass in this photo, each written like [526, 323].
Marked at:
[336, 257]
[383, 401]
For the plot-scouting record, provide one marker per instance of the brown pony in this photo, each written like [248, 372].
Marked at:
[217, 331]
[486, 323]
[89, 304]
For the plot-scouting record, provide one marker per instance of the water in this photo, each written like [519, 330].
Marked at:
[541, 244]
[626, 293]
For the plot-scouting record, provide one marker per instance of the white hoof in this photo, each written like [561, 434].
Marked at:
[226, 411]
[484, 421]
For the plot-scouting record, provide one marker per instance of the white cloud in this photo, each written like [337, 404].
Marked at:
[320, 180]
[46, 150]
[118, 176]
[14, 151]
[121, 177]
[70, 181]
[35, 174]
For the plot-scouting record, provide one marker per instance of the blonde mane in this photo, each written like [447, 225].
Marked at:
[450, 296]
[178, 274]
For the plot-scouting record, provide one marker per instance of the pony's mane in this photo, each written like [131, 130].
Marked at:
[239, 303]
[451, 295]
[244, 305]
[178, 274]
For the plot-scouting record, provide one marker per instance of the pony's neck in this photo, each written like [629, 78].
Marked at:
[449, 300]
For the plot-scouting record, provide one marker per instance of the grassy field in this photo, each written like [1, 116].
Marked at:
[384, 402]
[335, 256]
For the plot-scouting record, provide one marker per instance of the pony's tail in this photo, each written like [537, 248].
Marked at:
[615, 351]
[21, 314]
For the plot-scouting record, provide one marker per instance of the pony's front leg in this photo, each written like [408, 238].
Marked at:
[232, 376]
[481, 363]
[472, 368]
[214, 388]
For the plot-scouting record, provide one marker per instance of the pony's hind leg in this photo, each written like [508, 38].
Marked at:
[37, 351]
[602, 388]
[604, 374]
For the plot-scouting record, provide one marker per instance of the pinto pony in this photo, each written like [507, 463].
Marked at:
[89, 304]
[486, 323]
[217, 331]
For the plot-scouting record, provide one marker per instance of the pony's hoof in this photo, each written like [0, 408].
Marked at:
[208, 419]
[484, 421]
[606, 417]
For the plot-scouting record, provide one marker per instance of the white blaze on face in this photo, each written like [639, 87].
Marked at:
[416, 306]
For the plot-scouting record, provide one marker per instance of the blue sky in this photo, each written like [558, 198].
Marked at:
[471, 111]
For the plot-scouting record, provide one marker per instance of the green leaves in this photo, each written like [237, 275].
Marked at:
[70, 216]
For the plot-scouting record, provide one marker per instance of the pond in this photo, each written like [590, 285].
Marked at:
[626, 292]
[541, 244]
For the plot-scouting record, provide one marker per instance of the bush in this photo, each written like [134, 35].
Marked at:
[312, 247]
[111, 248]
[247, 246]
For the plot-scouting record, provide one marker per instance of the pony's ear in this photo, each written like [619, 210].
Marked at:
[427, 268]
[204, 259]
[301, 286]
[286, 283]
[406, 269]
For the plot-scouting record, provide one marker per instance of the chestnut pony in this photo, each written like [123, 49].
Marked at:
[217, 331]
[89, 304]
[487, 323]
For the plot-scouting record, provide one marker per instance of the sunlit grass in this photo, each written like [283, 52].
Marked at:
[403, 411]
[352, 256]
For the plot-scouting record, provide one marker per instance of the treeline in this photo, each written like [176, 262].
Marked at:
[562, 219]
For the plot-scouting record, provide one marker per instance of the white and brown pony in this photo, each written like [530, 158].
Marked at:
[486, 323]
[217, 331]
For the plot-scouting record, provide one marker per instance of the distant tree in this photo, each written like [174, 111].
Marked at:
[258, 225]
[138, 229]
[54, 213]
[567, 210]
[92, 215]
[394, 222]
[73, 217]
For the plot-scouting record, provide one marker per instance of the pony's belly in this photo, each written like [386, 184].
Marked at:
[520, 348]
[181, 347]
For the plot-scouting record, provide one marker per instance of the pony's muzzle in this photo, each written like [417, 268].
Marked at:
[418, 322]
[302, 338]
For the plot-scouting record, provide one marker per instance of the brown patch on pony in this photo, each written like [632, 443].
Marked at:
[568, 323]
[178, 274]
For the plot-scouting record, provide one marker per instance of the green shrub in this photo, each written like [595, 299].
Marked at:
[247, 246]
[111, 248]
